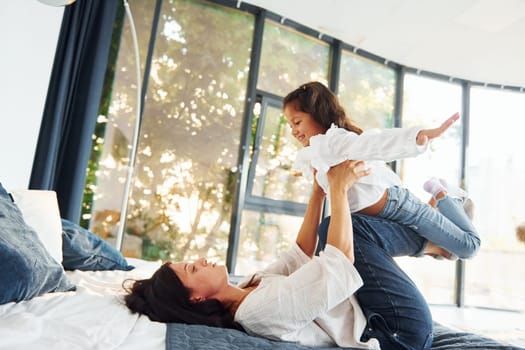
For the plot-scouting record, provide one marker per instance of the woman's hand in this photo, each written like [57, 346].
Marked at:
[317, 190]
[344, 175]
[426, 135]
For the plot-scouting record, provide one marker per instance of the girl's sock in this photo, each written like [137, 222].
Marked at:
[453, 190]
[468, 206]
[434, 186]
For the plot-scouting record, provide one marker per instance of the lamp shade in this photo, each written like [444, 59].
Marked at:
[57, 2]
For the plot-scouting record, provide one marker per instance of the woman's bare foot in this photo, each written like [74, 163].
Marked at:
[437, 252]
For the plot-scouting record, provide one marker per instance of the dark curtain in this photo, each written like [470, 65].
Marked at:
[73, 98]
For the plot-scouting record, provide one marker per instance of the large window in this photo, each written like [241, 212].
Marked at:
[366, 90]
[289, 58]
[186, 167]
[427, 103]
[274, 153]
[276, 197]
[107, 169]
[495, 179]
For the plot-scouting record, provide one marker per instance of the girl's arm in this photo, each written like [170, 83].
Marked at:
[385, 144]
[374, 144]
[306, 240]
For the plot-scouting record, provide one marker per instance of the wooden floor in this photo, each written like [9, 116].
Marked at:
[505, 326]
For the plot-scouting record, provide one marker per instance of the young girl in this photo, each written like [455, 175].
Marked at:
[320, 124]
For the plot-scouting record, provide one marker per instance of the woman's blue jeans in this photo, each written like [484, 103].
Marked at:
[449, 227]
[397, 314]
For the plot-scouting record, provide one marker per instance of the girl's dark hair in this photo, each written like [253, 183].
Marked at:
[322, 104]
[163, 298]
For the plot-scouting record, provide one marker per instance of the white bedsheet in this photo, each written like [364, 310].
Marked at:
[93, 317]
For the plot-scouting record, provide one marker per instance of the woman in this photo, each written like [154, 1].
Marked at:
[299, 298]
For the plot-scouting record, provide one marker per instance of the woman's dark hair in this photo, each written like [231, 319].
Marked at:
[163, 298]
[322, 104]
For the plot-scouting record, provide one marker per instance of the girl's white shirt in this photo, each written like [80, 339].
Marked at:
[308, 301]
[375, 146]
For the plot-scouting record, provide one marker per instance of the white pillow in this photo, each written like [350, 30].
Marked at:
[40, 211]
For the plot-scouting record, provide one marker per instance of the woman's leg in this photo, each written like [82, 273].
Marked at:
[404, 241]
[397, 314]
[448, 227]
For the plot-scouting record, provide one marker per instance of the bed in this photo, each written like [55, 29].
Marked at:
[93, 317]
[77, 304]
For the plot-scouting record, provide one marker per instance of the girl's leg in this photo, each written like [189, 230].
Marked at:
[449, 227]
[397, 314]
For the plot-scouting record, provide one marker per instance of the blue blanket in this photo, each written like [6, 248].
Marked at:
[182, 336]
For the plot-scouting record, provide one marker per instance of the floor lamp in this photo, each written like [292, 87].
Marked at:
[136, 130]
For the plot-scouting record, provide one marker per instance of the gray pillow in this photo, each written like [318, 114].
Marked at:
[84, 250]
[27, 270]
[2, 189]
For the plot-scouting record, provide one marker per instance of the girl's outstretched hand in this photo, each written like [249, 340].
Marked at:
[428, 134]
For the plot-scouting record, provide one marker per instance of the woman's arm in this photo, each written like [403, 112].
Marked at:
[307, 236]
[341, 177]
[306, 240]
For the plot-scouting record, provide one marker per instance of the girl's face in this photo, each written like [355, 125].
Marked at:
[202, 278]
[303, 124]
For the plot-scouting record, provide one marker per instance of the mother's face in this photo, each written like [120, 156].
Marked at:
[202, 278]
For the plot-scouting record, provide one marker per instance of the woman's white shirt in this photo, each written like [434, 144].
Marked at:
[308, 301]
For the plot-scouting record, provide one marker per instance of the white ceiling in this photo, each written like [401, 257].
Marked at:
[477, 40]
